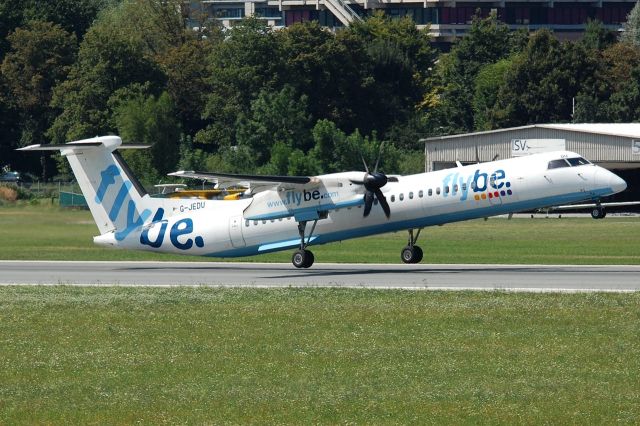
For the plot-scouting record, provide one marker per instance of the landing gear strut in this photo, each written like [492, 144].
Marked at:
[412, 253]
[303, 258]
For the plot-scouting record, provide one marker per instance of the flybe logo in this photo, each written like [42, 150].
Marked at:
[480, 185]
[179, 233]
[108, 178]
[179, 230]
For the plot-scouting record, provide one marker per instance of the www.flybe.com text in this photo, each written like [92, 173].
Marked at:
[296, 198]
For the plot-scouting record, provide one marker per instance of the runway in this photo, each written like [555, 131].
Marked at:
[418, 277]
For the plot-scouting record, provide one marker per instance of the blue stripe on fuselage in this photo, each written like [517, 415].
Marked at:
[472, 213]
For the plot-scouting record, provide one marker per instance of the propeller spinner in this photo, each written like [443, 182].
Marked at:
[373, 182]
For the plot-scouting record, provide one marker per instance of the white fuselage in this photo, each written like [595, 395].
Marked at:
[268, 221]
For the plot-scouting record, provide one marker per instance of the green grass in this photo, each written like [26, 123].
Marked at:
[327, 356]
[49, 233]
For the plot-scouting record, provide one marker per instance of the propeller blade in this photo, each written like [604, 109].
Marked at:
[365, 163]
[383, 203]
[368, 203]
[375, 169]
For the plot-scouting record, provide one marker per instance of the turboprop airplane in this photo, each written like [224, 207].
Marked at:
[276, 211]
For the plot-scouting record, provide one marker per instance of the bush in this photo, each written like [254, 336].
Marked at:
[8, 194]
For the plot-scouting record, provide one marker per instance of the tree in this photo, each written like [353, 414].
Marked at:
[152, 121]
[275, 118]
[112, 56]
[187, 81]
[452, 89]
[40, 57]
[487, 83]
[247, 62]
[631, 33]
[543, 80]
[596, 36]
[398, 60]
[74, 16]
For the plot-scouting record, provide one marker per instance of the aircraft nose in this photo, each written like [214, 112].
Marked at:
[617, 183]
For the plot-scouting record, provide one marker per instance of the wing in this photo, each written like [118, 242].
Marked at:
[255, 182]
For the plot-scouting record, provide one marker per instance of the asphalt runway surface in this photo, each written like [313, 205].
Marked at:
[421, 276]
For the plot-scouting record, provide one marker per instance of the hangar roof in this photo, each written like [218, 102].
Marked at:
[630, 130]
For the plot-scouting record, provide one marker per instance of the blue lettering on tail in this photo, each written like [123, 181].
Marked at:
[132, 223]
[183, 227]
[108, 176]
[119, 201]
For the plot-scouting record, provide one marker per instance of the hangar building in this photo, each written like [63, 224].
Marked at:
[615, 146]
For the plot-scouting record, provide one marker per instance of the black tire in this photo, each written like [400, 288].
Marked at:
[302, 258]
[407, 254]
[418, 254]
[310, 259]
[598, 213]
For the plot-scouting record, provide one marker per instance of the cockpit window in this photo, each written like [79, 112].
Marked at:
[556, 164]
[578, 161]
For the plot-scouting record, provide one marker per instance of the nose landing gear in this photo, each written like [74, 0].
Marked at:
[598, 212]
[412, 253]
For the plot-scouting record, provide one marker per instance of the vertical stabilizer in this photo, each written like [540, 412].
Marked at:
[115, 197]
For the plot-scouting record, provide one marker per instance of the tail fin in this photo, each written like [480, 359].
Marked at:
[117, 201]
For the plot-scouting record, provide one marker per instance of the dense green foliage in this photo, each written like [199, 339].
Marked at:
[300, 100]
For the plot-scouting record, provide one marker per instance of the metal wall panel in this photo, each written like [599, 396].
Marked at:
[595, 147]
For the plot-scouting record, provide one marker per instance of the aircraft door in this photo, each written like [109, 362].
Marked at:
[235, 231]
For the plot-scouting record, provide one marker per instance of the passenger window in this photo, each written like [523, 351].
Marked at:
[446, 189]
[579, 161]
[473, 185]
[455, 188]
[255, 222]
[401, 197]
[556, 164]
[430, 192]
[411, 195]
[438, 190]
[393, 198]
[464, 186]
[421, 193]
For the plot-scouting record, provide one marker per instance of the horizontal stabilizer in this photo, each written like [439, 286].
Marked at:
[109, 142]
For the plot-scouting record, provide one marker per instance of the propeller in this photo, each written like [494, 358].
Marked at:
[373, 182]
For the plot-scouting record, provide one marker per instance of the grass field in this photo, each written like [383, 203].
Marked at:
[322, 356]
[49, 233]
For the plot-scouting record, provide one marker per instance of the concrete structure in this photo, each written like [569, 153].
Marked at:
[447, 19]
[615, 146]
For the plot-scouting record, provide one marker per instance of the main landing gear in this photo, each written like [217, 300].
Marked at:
[303, 258]
[412, 253]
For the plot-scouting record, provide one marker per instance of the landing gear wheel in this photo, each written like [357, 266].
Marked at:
[598, 213]
[302, 259]
[411, 254]
[418, 254]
